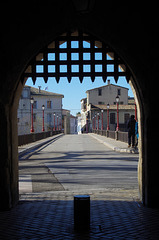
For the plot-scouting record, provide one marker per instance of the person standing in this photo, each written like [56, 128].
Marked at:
[131, 131]
[136, 133]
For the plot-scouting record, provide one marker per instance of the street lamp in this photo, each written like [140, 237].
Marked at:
[43, 108]
[86, 122]
[57, 122]
[95, 121]
[102, 119]
[98, 120]
[108, 117]
[117, 102]
[32, 102]
[54, 122]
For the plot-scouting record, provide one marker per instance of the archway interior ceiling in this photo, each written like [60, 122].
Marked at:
[79, 55]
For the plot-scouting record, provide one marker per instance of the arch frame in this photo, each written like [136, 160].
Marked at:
[38, 59]
[9, 103]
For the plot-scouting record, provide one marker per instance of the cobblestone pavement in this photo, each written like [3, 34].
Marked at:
[46, 210]
[49, 215]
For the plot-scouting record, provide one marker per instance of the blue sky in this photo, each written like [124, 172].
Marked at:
[73, 92]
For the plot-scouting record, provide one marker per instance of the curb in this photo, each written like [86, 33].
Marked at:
[126, 150]
[116, 149]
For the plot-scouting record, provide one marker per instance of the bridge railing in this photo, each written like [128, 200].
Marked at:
[117, 135]
[33, 137]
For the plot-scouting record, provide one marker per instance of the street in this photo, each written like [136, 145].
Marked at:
[77, 163]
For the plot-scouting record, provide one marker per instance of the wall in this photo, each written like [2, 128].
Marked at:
[109, 94]
[56, 107]
[73, 125]
[24, 113]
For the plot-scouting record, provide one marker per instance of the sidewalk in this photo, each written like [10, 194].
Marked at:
[31, 146]
[117, 146]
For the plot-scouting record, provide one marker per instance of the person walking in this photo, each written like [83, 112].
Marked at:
[131, 131]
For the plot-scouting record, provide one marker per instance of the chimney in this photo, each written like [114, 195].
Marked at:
[108, 82]
[39, 88]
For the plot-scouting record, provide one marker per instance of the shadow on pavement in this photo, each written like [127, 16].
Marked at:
[45, 218]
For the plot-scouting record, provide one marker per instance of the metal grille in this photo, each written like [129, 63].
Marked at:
[79, 55]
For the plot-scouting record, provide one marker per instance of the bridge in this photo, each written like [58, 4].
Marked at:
[79, 163]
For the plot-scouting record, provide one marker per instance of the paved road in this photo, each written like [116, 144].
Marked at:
[78, 163]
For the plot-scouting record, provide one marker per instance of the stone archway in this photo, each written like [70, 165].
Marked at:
[135, 48]
[48, 59]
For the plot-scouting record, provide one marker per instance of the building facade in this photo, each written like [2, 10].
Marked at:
[99, 114]
[94, 111]
[107, 94]
[69, 122]
[52, 111]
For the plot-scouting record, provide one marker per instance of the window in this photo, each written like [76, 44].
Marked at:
[120, 103]
[49, 104]
[126, 117]
[25, 93]
[118, 91]
[99, 92]
[101, 103]
[112, 118]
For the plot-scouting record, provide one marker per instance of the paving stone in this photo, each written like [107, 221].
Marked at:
[50, 216]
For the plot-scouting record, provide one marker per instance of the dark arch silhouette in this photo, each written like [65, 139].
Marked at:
[125, 28]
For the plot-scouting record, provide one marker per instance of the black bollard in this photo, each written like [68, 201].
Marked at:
[82, 212]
